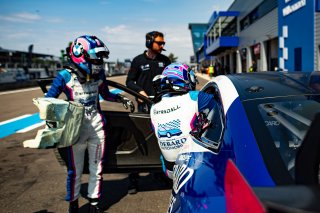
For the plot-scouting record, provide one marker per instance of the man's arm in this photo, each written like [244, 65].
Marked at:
[133, 76]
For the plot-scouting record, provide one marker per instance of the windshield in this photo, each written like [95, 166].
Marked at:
[287, 123]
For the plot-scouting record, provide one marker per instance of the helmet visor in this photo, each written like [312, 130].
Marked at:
[178, 84]
[96, 55]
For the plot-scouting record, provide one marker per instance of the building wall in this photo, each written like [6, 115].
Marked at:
[263, 29]
[257, 33]
[296, 35]
[317, 42]
[290, 31]
[244, 6]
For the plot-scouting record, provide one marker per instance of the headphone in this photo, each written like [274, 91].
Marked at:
[149, 39]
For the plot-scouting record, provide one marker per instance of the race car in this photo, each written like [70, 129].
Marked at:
[259, 123]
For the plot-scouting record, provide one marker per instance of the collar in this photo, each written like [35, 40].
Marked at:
[148, 57]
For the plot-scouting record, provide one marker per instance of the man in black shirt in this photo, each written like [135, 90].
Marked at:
[146, 66]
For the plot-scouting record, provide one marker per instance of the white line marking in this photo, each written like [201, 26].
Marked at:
[31, 127]
[14, 119]
[20, 90]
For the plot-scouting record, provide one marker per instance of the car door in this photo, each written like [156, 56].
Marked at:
[131, 144]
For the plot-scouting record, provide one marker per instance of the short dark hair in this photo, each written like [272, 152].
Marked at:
[153, 34]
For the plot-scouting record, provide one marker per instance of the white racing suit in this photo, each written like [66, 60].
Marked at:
[92, 131]
[173, 118]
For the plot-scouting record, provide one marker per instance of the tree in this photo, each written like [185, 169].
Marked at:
[62, 56]
[172, 58]
[65, 52]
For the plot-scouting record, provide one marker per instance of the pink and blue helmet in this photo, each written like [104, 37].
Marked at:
[176, 78]
[86, 51]
[180, 76]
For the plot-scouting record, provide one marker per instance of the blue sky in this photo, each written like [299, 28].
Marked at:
[121, 24]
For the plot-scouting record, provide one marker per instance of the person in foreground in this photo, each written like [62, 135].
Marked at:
[82, 82]
[177, 110]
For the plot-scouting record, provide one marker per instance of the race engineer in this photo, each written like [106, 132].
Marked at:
[177, 110]
[146, 66]
[143, 69]
[83, 82]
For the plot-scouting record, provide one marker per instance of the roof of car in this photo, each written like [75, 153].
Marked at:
[271, 84]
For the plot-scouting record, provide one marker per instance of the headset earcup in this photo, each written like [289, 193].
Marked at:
[150, 41]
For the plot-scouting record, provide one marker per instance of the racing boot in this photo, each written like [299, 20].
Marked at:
[95, 209]
[74, 206]
[94, 206]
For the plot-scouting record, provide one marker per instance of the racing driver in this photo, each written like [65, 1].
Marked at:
[178, 109]
[83, 82]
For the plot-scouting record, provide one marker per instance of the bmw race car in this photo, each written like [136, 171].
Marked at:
[260, 122]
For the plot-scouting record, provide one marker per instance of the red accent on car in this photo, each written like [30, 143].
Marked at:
[240, 198]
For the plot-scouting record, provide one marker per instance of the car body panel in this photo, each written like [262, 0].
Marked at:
[272, 84]
[242, 142]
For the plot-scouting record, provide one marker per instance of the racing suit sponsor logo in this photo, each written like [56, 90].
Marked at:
[171, 203]
[165, 133]
[86, 94]
[184, 157]
[96, 69]
[272, 123]
[145, 67]
[169, 129]
[164, 111]
[161, 64]
[172, 144]
[181, 175]
[89, 93]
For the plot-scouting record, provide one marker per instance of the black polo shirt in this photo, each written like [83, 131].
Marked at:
[143, 70]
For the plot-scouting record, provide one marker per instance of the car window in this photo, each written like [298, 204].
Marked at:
[288, 122]
[213, 135]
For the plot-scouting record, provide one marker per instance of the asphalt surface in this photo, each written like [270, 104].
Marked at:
[32, 180]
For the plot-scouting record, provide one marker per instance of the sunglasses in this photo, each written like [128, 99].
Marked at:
[160, 43]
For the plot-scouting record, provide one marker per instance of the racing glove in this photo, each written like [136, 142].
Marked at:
[127, 103]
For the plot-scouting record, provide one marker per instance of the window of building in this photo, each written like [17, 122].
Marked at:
[257, 13]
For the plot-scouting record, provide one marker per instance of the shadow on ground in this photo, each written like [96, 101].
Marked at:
[115, 190]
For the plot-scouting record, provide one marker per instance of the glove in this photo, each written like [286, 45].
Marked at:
[127, 103]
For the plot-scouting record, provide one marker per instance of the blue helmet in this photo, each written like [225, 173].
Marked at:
[176, 78]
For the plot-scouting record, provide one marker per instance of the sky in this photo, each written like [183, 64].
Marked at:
[121, 24]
